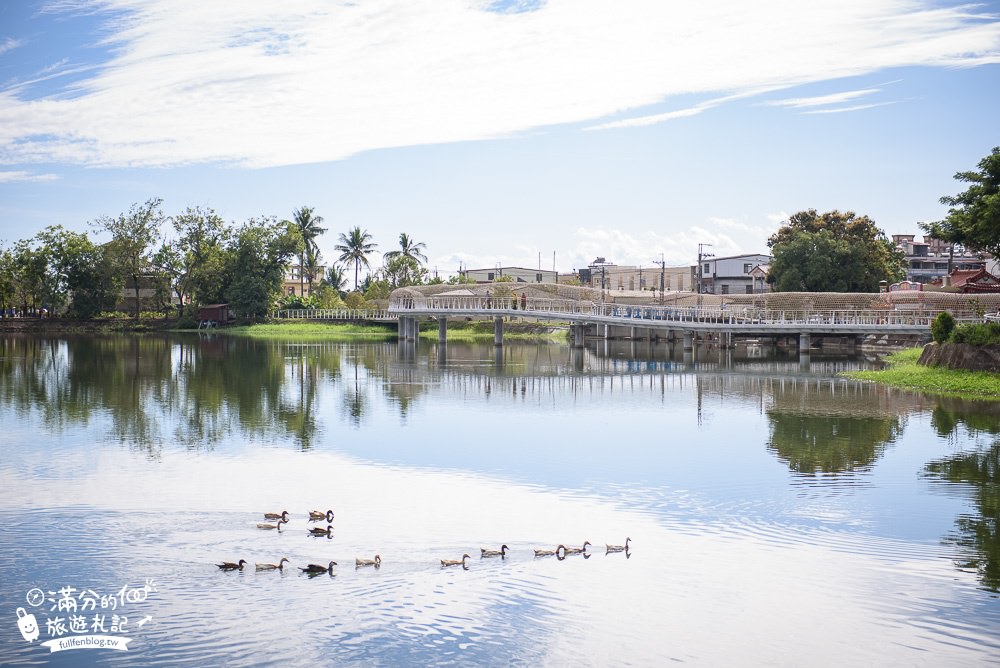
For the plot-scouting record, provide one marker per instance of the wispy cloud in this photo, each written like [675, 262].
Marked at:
[856, 107]
[266, 84]
[12, 176]
[9, 44]
[822, 100]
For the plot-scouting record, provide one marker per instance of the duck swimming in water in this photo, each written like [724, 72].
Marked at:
[502, 552]
[316, 569]
[267, 525]
[376, 562]
[319, 516]
[456, 562]
[319, 531]
[549, 553]
[577, 550]
[230, 566]
[283, 515]
[618, 548]
[280, 566]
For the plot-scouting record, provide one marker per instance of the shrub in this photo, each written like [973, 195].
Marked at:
[942, 327]
[987, 334]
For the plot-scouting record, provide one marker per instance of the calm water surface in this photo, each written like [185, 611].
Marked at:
[778, 514]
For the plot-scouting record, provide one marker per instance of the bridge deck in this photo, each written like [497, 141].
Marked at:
[737, 320]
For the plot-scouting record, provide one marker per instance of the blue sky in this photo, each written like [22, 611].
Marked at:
[513, 132]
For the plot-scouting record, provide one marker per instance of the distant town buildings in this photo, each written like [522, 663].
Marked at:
[517, 274]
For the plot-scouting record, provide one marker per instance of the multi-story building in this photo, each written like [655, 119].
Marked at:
[518, 274]
[623, 277]
[733, 275]
[931, 260]
[295, 284]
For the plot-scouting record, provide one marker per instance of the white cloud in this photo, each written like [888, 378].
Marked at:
[856, 107]
[9, 44]
[266, 84]
[12, 176]
[833, 98]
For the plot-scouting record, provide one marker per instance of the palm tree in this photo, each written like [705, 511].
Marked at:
[335, 278]
[408, 249]
[309, 227]
[355, 246]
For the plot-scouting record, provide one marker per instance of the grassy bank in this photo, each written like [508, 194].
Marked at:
[311, 331]
[478, 331]
[904, 372]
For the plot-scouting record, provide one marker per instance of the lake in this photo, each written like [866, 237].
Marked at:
[778, 514]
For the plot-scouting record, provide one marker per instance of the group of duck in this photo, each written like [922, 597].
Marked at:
[274, 521]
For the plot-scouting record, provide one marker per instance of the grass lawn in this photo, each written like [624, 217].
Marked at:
[310, 331]
[904, 372]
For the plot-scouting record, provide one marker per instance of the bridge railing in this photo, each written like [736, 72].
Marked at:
[482, 305]
[333, 314]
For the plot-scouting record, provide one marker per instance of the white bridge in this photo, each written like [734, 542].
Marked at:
[727, 320]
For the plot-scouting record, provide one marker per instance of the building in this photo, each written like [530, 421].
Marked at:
[972, 280]
[615, 277]
[517, 274]
[732, 275]
[293, 283]
[931, 260]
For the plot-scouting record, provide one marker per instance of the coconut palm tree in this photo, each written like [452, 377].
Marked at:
[408, 248]
[308, 226]
[355, 246]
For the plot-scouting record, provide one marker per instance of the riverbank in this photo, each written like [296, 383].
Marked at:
[903, 371]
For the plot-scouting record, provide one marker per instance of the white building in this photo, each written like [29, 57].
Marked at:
[517, 274]
[732, 275]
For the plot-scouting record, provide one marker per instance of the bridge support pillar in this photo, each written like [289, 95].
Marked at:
[498, 331]
[688, 340]
[442, 329]
[804, 342]
[577, 332]
[633, 333]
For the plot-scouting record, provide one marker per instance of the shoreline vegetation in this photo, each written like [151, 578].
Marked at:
[904, 372]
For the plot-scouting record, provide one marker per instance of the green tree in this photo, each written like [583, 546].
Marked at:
[336, 279]
[133, 235]
[202, 236]
[401, 270]
[255, 268]
[355, 247]
[308, 225]
[832, 252]
[410, 249]
[974, 215]
[83, 272]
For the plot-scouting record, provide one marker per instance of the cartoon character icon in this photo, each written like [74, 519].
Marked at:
[27, 625]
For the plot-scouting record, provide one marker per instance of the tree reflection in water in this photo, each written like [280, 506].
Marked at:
[977, 535]
[825, 430]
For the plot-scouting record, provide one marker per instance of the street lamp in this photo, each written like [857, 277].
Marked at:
[701, 273]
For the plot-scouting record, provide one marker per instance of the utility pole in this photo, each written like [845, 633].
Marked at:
[701, 274]
[662, 264]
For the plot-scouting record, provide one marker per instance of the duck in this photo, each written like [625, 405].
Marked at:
[576, 550]
[376, 562]
[267, 525]
[319, 516]
[618, 548]
[456, 562]
[316, 569]
[283, 515]
[280, 566]
[319, 531]
[230, 566]
[549, 553]
[502, 552]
